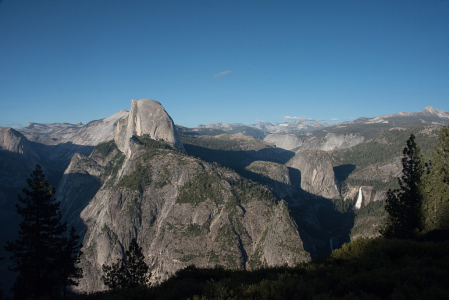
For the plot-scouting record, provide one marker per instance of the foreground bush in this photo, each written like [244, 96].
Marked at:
[363, 269]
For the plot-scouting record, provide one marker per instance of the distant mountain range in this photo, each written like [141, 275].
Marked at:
[285, 127]
[429, 115]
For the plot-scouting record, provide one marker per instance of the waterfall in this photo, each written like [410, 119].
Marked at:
[358, 204]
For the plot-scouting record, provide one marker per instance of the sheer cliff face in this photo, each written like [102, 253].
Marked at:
[316, 173]
[146, 116]
[181, 210]
[17, 159]
[311, 142]
[13, 141]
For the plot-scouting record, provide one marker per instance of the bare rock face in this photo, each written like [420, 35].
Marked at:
[311, 142]
[317, 175]
[98, 131]
[13, 141]
[365, 193]
[89, 134]
[17, 158]
[146, 116]
[277, 175]
[285, 141]
[182, 211]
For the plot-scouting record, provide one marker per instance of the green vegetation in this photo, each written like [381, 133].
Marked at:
[137, 180]
[255, 260]
[363, 269]
[369, 219]
[189, 257]
[114, 165]
[128, 273]
[141, 175]
[373, 209]
[435, 190]
[148, 143]
[403, 205]
[213, 143]
[365, 130]
[164, 177]
[380, 148]
[246, 191]
[198, 131]
[378, 185]
[194, 230]
[204, 186]
[421, 203]
[106, 148]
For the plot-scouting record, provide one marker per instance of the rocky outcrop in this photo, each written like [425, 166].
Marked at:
[366, 195]
[13, 141]
[89, 134]
[98, 131]
[275, 175]
[316, 173]
[17, 158]
[181, 210]
[284, 141]
[303, 142]
[146, 117]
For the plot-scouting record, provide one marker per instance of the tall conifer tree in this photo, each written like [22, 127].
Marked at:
[436, 186]
[404, 205]
[130, 272]
[40, 254]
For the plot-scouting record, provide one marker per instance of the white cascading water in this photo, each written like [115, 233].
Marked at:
[358, 204]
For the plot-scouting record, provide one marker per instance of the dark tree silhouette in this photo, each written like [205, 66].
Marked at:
[70, 257]
[436, 186]
[42, 256]
[130, 272]
[404, 205]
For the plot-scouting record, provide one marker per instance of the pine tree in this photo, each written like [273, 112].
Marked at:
[70, 257]
[137, 269]
[40, 253]
[436, 186]
[404, 205]
[130, 272]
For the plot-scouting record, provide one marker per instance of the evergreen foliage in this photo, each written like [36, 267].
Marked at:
[42, 256]
[362, 269]
[149, 143]
[129, 273]
[403, 205]
[138, 179]
[436, 186]
[204, 186]
[71, 255]
[106, 148]
[379, 150]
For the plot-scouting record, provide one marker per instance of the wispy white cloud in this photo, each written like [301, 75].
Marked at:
[302, 118]
[222, 73]
[307, 119]
[259, 121]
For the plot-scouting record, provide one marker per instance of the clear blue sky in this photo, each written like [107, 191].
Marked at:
[229, 61]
